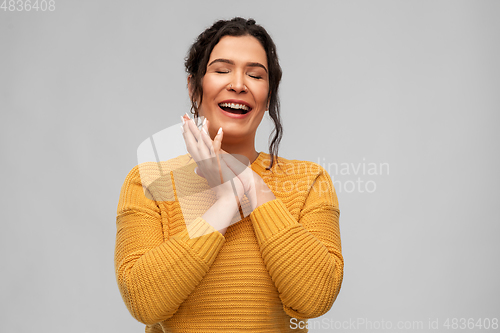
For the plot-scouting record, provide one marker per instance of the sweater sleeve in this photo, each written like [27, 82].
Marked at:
[303, 257]
[155, 275]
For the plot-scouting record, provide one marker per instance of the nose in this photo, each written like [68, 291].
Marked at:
[237, 84]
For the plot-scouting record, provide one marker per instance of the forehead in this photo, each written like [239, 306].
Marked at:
[240, 49]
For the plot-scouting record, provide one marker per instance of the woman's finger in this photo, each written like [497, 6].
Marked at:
[201, 136]
[218, 140]
[191, 126]
[190, 140]
[194, 141]
[216, 147]
[214, 144]
[204, 141]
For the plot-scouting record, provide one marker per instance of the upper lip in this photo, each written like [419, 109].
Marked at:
[236, 101]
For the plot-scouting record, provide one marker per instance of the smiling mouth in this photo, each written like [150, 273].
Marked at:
[235, 108]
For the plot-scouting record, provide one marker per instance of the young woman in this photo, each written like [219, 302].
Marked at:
[264, 253]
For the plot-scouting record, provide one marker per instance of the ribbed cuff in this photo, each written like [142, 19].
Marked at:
[270, 218]
[203, 239]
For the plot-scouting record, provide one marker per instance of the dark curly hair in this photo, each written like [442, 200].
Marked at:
[199, 54]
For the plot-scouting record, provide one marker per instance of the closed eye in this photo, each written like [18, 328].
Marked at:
[221, 72]
[255, 77]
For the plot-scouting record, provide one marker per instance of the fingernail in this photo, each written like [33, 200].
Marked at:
[186, 114]
[220, 130]
[183, 121]
[182, 129]
[204, 122]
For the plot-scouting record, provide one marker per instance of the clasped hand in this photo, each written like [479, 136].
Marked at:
[220, 169]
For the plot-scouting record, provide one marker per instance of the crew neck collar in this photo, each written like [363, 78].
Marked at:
[257, 159]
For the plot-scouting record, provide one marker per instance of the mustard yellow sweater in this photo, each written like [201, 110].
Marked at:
[282, 261]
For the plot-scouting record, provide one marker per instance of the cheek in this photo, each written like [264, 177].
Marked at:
[263, 94]
[211, 86]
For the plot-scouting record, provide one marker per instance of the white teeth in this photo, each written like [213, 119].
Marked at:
[235, 106]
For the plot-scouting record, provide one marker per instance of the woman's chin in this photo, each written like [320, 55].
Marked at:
[232, 132]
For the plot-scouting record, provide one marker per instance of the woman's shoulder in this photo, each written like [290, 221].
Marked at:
[156, 177]
[149, 172]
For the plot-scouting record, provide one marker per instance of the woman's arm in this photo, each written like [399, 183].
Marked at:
[155, 275]
[303, 257]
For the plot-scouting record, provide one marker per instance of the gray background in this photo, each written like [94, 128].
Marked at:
[410, 83]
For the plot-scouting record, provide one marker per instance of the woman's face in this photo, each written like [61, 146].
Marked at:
[235, 88]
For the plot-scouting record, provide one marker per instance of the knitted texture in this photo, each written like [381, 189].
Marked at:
[282, 261]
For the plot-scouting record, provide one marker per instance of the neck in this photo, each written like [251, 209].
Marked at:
[241, 149]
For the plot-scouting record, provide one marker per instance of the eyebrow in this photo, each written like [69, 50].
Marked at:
[227, 61]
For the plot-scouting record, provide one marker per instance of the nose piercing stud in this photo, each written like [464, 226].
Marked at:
[244, 87]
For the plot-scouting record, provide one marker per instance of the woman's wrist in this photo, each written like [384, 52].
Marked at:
[230, 201]
[263, 193]
[221, 213]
